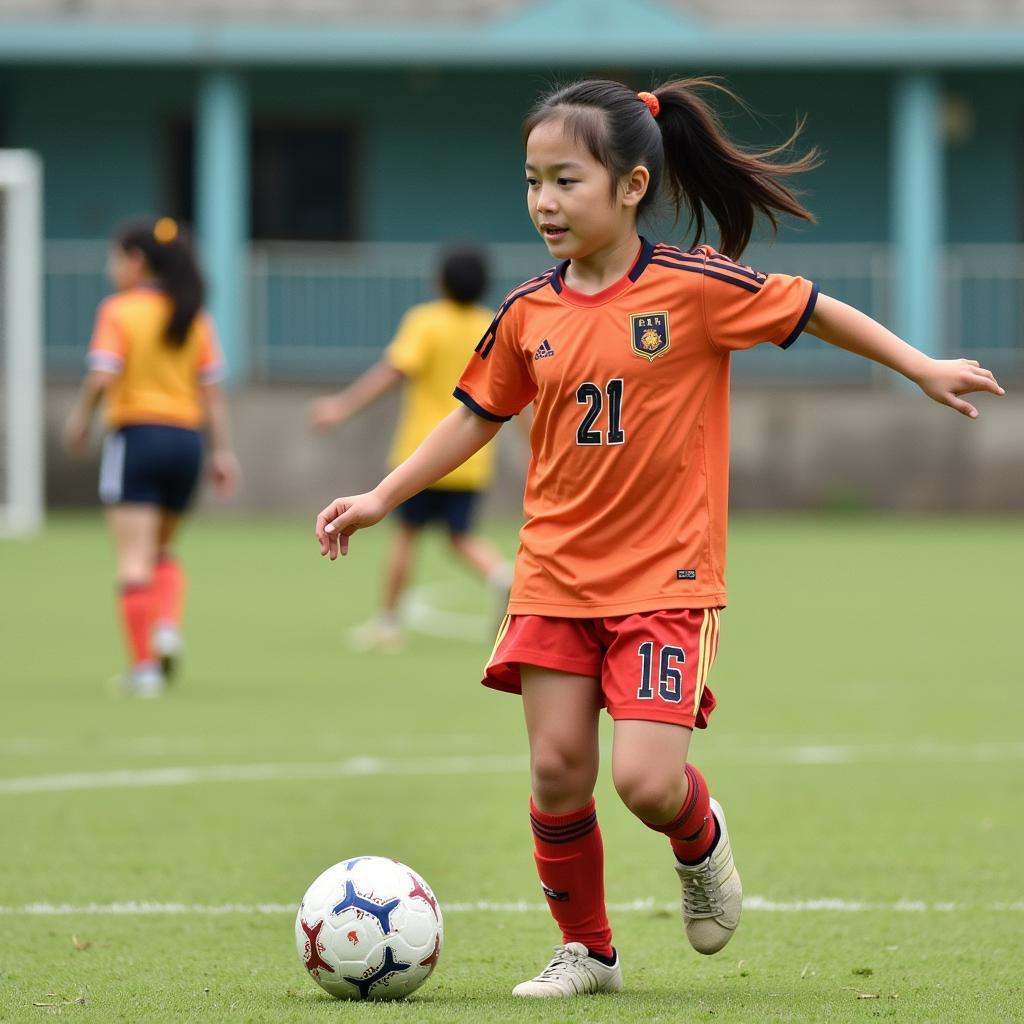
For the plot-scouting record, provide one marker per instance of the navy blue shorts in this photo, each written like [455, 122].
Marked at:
[456, 509]
[147, 464]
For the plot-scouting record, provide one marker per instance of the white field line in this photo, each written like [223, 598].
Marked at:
[816, 754]
[168, 746]
[133, 908]
[354, 766]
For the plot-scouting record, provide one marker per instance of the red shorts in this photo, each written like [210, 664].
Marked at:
[652, 666]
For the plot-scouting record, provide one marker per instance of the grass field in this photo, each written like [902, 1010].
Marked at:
[868, 749]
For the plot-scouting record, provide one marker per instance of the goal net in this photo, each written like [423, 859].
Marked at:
[21, 357]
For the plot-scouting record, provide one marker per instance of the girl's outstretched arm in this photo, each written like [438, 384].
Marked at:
[333, 410]
[458, 436]
[224, 467]
[944, 380]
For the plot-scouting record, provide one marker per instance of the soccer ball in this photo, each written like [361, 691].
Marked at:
[369, 928]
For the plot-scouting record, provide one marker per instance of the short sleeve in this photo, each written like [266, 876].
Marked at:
[211, 359]
[409, 350]
[497, 383]
[108, 346]
[743, 308]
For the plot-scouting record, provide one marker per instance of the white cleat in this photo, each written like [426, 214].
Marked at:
[378, 634]
[168, 645]
[572, 972]
[145, 681]
[712, 893]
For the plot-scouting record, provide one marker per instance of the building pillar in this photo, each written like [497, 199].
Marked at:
[917, 210]
[222, 207]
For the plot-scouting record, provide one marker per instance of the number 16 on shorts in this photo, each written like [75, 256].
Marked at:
[662, 666]
[670, 672]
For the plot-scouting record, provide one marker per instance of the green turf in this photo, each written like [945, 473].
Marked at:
[867, 748]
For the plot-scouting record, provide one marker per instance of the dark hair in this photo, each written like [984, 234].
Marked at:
[169, 256]
[686, 150]
[464, 275]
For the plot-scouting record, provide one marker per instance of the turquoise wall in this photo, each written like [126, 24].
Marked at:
[441, 152]
[984, 178]
[99, 134]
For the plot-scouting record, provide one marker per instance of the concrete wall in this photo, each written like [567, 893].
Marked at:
[841, 449]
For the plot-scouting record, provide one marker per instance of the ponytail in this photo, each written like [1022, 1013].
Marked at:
[679, 139]
[169, 257]
[706, 170]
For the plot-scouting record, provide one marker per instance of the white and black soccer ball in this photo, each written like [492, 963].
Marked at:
[369, 928]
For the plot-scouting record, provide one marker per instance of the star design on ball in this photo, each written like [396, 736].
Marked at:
[314, 947]
[353, 900]
[418, 892]
[388, 967]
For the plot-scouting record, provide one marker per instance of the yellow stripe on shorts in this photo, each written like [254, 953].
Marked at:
[707, 650]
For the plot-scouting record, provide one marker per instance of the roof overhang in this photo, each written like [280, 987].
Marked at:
[563, 33]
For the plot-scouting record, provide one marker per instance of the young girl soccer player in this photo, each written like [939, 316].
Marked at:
[623, 349]
[154, 359]
[426, 356]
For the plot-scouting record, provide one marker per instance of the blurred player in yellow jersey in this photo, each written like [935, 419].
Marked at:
[427, 355]
[155, 362]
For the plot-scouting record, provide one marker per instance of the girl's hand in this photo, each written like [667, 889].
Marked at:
[76, 432]
[225, 472]
[325, 413]
[343, 517]
[945, 380]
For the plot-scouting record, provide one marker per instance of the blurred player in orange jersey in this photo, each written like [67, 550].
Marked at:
[624, 349]
[426, 357]
[155, 362]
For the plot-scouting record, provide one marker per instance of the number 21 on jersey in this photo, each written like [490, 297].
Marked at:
[591, 395]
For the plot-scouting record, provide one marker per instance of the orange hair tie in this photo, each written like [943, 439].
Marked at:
[165, 230]
[652, 102]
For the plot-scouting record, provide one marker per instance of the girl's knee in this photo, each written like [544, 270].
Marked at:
[560, 777]
[458, 541]
[649, 794]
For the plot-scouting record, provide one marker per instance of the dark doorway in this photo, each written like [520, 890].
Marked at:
[302, 179]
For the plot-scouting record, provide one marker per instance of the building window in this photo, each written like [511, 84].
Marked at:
[302, 179]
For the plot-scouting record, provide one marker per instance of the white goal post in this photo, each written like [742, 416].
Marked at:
[21, 343]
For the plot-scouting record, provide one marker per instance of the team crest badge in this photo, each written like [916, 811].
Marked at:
[649, 334]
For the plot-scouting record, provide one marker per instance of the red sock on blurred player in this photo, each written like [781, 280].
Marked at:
[136, 601]
[692, 831]
[570, 861]
[168, 590]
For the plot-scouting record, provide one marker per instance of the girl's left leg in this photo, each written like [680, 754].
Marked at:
[670, 796]
[134, 528]
[168, 595]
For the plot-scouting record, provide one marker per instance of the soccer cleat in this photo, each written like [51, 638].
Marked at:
[572, 972]
[712, 893]
[379, 634]
[168, 645]
[145, 681]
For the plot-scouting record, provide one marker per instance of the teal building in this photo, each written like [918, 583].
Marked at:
[354, 136]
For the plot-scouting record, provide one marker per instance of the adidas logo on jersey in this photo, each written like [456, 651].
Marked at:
[544, 350]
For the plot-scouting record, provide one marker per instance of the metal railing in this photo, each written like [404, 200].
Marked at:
[323, 310]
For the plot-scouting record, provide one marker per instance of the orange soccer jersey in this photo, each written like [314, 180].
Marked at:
[627, 493]
[157, 381]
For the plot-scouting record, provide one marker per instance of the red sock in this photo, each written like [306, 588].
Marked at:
[692, 831]
[137, 618]
[168, 590]
[570, 861]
